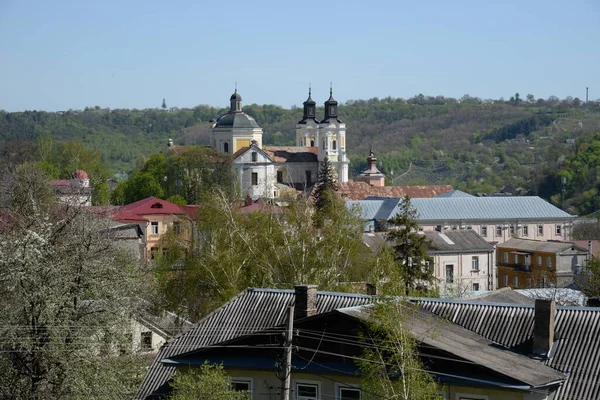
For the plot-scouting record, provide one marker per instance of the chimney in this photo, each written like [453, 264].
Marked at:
[306, 301]
[543, 326]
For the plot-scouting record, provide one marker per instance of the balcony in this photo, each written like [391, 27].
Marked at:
[516, 267]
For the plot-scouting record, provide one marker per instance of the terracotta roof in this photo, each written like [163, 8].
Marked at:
[152, 206]
[239, 152]
[60, 182]
[353, 190]
[134, 212]
[282, 154]
[80, 174]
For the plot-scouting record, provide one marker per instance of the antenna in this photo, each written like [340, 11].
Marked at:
[586, 95]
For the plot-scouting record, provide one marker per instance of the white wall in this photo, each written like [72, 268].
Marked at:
[464, 275]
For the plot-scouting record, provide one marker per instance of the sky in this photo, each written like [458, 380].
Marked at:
[60, 54]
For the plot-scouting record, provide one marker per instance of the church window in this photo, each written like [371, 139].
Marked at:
[331, 110]
[255, 178]
[312, 142]
[226, 147]
[334, 145]
[254, 156]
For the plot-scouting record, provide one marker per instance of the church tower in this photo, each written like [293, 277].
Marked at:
[332, 139]
[235, 129]
[307, 129]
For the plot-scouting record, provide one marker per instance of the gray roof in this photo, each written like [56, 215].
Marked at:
[236, 120]
[457, 241]
[465, 209]
[427, 328]
[505, 295]
[543, 246]
[249, 312]
[455, 193]
[576, 349]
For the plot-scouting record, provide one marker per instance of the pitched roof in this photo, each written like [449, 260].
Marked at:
[455, 193]
[576, 349]
[505, 295]
[283, 154]
[354, 190]
[457, 241]
[539, 245]
[151, 206]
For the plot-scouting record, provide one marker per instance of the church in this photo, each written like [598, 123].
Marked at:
[271, 171]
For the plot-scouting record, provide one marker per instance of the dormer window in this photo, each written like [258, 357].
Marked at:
[156, 205]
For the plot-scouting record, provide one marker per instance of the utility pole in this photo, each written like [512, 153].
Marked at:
[287, 369]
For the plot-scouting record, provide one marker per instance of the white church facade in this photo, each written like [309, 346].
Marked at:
[270, 171]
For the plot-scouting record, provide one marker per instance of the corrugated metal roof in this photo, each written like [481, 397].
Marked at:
[576, 349]
[467, 240]
[486, 208]
[540, 245]
[368, 209]
[455, 193]
[251, 311]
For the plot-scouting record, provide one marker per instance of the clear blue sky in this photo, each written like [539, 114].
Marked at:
[56, 55]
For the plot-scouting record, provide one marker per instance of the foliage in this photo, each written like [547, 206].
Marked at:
[391, 367]
[274, 247]
[590, 279]
[324, 192]
[410, 250]
[67, 288]
[206, 382]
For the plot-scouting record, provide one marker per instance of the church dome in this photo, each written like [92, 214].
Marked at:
[236, 120]
[236, 96]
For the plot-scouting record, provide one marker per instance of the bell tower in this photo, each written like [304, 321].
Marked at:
[332, 139]
[307, 128]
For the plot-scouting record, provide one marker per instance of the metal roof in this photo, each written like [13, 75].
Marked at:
[458, 241]
[540, 245]
[455, 193]
[236, 120]
[575, 351]
[250, 311]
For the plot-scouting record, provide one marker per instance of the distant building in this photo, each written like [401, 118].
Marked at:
[75, 191]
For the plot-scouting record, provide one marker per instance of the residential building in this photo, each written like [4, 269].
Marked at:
[524, 264]
[496, 219]
[75, 191]
[476, 350]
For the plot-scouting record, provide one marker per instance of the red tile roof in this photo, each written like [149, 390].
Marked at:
[134, 212]
[361, 190]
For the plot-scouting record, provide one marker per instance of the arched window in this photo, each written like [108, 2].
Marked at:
[334, 144]
[312, 143]
[226, 147]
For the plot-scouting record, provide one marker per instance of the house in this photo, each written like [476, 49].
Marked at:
[496, 218]
[462, 260]
[476, 350]
[151, 327]
[75, 191]
[524, 263]
[155, 217]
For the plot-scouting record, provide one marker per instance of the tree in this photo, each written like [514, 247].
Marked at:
[325, 189]
[391, 367]
[410, 249]
[530, 98]
[207, 382]
[590, 278]
[67, 288]
[164, 104]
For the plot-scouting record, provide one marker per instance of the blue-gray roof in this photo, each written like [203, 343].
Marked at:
[455, 193]
[465, 208]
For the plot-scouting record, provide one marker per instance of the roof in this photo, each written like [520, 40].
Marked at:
[427, 328]
[251, 311]
[455, 193]
[466, 209]
[576, 349]
[541, 246]
[505, 295]
[80, 174]
[236, 120]
[457, 241]
[283, 154]
[151, 206]
[353, 190]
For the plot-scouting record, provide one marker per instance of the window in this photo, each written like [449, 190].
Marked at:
[243, 385]
[332, 110]
[279, 176]
[334, 144]
[476, 287]
[475, 263]
[226, 147]
[484, 231]
[308, 178]
[525, 230]
[505, 280]
[528, 283]
[324, 144]
[146, 340]
[515, 258]
[512, 229]
[516, 282]
[540, 283]
[539, 263]
[177, 227]
[449, 273]
[498, 231]
[154, 228]
[307, 391]
[254, 156]
[165, 251]
[506, 257]
[540, 230]
[255, 178]
[558, 230]
[153, 252]
[549, 262]
[347, 393]
[312, 142]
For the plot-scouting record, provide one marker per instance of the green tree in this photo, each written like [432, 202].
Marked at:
[67, 288]
[391, 367]
[410, 250]
[164, 104]
[590, 279]
[206, 382]
[324, 193]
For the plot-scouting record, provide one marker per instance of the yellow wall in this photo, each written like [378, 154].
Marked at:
[537, 271]
[239, 143]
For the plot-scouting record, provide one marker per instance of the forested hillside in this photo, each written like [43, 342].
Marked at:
[477, 146]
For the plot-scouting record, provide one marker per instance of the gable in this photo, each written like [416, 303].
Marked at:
[245, 156]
